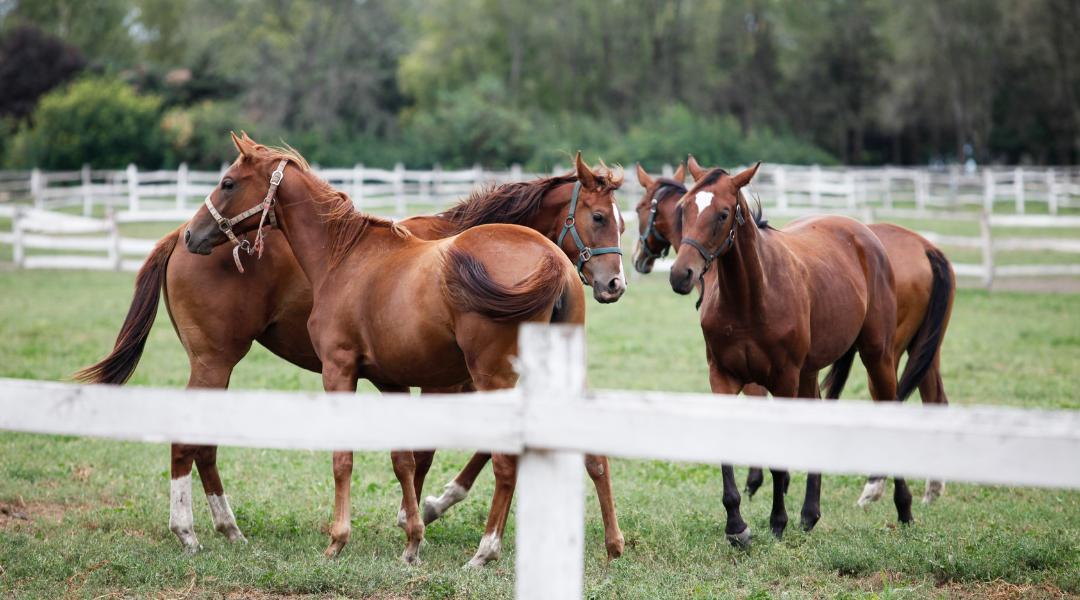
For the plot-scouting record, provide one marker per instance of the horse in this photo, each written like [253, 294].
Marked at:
[272, 300]
[925, 289]
[780, 305]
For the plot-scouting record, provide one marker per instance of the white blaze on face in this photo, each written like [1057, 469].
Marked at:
[703, 200]
[619, 221]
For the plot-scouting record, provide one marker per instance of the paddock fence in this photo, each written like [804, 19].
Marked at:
[53, 222]
[551, 420]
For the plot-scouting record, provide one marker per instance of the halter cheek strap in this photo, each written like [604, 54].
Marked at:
[267, 218]
[585, 252]
[650, 229]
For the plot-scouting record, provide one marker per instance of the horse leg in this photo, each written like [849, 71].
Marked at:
[457, 489]
[339, 375]
[811, 508]
[755, 477]
[600, 472]
[787, 386]
[932, 391]
[881, 372]
[422, 460]
[220, 511]
[737, 531]
[405, 469]
[505, 468]
[181, 517]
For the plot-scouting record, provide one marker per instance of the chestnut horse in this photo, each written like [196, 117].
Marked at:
[217, 330]
[925, 286]
[778, 306]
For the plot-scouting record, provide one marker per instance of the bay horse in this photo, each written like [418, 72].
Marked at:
[271, 302]
[780, 305]
[925, 289]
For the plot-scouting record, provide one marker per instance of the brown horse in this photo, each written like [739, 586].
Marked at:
[779, 306]
[272, 300]
[925, 286]
[397, 310]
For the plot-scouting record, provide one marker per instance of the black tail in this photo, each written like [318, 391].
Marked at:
[836, 378]
[118, 366]
[927, 341]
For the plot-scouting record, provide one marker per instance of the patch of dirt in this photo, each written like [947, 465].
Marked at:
[23, 514]
[1001, 590]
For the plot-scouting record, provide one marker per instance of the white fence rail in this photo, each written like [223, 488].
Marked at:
[395, 189]
[551, 420]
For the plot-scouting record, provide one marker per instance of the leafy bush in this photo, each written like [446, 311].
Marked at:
[100, 121]
[198, 135]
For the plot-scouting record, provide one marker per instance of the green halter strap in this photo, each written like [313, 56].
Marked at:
[585, 252]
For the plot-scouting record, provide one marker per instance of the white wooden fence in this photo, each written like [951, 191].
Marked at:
[551, 420]
[395, 189]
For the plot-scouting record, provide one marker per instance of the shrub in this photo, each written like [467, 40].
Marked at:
[198, 135]
[100, 121]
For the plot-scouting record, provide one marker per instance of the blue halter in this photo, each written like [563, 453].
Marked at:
[585, 252]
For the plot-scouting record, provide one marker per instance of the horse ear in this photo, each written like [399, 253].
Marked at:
[696, 170]
[243, 144]
[744, 177]
[584, 173]
[680, 173]
[643, 177]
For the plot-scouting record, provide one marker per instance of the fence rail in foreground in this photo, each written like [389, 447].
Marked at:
[551, 421]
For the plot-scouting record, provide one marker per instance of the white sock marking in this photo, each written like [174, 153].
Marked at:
[490, 549]
[222, 515]
[181, 519]
[872, 492]
[436, 507]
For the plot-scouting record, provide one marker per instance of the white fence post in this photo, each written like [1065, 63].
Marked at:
[358, 186]
[987, 250]
[849, 186]
[116, 258]
[815, 186]
[886, 185]
[181, 186]
[988, 190]
[515, 172]
[780, 180]
[37, 188]
[550, 545]
[17, 252]
[133, 188]
[87, 191]
[1018, 189]
[1051, 191]
[922, 189]
[399, 190]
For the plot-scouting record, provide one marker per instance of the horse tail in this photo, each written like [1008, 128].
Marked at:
[927, 341]
[117, 367]
[836, 378]
[470, 288]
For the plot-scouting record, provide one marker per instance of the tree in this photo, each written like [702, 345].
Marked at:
[32, 62]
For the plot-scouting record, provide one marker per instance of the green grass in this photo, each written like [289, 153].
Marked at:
[99, 509]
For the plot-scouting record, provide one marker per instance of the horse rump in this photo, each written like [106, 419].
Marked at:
[469, 287]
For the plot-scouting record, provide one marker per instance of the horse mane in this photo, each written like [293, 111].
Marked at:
[514, 203]
[346, 226]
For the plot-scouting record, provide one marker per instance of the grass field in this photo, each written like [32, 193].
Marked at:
[96, 512]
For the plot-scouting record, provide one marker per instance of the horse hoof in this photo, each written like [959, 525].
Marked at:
[615, 548]
[411, 558]
[334, 549]
[235, 536]
[778, 532]
[192, 548]
[934, 489]
[808, 522]
[430, 511]
[740, 540]
[872, 492]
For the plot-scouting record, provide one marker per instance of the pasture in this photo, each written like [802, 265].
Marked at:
[88, 518]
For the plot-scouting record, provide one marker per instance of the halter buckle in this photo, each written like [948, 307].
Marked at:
[277, 176]
[586, 254]
[569, 221]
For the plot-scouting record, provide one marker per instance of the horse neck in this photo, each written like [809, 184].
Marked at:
[742, 271]
[303, 225]
[554, 208]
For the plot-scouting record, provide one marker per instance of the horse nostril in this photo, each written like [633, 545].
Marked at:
[613, 284]
[187, 236]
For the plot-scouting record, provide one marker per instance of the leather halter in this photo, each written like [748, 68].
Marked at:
[266, 220]
[650, 229]
[729, 241]
[585, 252]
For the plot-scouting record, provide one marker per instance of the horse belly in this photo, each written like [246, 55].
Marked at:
[420, 351]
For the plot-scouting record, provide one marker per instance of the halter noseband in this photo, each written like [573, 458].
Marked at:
[267, 218]
[585, 252]
[729, 241]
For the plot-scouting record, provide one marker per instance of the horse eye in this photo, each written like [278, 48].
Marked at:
[227, 184]
[597, 218]
[724, 215]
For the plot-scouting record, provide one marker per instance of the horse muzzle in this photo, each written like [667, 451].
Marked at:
[197, 244]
